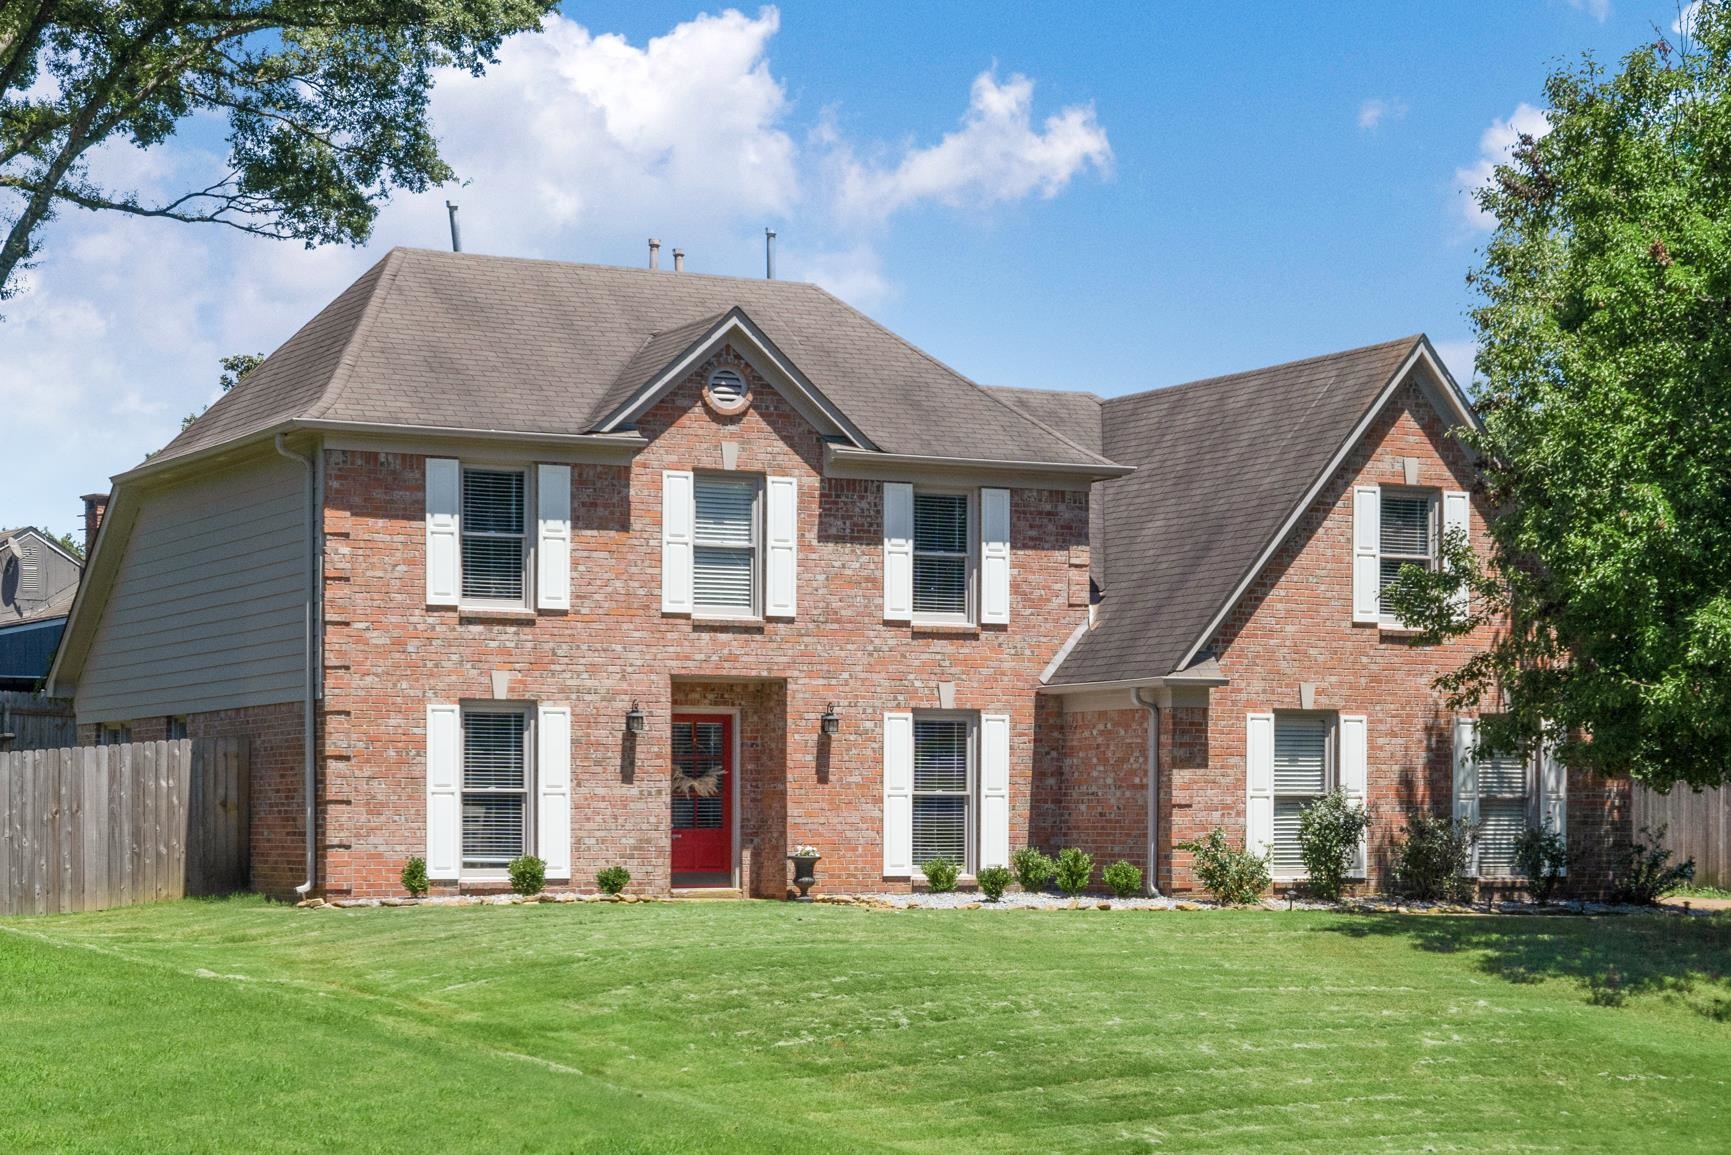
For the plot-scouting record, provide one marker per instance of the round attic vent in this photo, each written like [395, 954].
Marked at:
[726, 392]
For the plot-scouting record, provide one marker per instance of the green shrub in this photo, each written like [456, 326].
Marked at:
[612, 879]
[941, 874]
[1123, 879]
[994, 880]
[1646, 875]
[1075, 870]
[1433, 858]
[1542, 855]
[1033, 869]
[1232, 876]
[1329, 832]
[528, 874]
[415, 876]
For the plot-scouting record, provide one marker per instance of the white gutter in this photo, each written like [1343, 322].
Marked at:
[310, 658]
[845, 461]
[1152, 881]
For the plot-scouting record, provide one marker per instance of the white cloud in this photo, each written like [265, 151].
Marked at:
[572, 142]
[1373, 112]
[997, 155]
[1599, 10]
[1495, 147]
[1684, 25]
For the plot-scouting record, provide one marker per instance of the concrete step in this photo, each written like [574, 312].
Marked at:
[708, 893]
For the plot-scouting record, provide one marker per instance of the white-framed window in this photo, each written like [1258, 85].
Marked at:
[944, 777]
[497, 787]
[1505, 783]
[726, 567]
[175, 726]
[944, 556]
[1407, 536]
[1304, 770]
[494, 526]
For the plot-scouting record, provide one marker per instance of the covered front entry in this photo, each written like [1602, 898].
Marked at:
[702, 799]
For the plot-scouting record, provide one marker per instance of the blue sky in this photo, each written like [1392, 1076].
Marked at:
[1107, 197]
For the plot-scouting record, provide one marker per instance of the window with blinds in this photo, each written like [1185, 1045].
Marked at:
[1302, 748]
[941, 555]
[1408, 534]
[1503, 808]
[943, 789]
[495, 788]
[494, 523]
[724, 556]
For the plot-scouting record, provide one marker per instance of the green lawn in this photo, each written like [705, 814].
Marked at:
[240, 1026]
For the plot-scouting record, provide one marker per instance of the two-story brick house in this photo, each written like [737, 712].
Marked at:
[611, 566]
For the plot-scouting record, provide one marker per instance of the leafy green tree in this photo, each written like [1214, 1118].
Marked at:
[233, 369]
[1605, 362]
[326, 104]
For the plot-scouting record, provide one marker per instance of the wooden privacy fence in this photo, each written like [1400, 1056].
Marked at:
[35, 722]
[90, 827]
[1698, 827]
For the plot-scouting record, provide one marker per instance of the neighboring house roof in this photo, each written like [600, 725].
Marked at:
[464, 341]
[7, 535]
[1223, 466]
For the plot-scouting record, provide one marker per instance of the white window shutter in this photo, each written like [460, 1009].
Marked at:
[1366, 547]
[898, 551]
[444, 791]
[678, 513]
[995, 556]
[994, 790]
[1355, 774]
[444, 499]
[553, 786]
[781, 589]
[1467, 778]
[898, 794]
[553, 539]
[1455, 506]
[1553, 792]
[1259, 784]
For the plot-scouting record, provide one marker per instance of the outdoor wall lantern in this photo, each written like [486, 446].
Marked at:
[636, 721]
[831, 720]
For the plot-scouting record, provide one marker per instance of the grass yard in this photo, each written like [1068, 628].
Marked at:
[763, 1027]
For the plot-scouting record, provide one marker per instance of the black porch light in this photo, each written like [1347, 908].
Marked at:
[636, 721]
[831, 721]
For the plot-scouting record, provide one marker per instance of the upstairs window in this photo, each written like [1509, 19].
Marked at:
[494, 524]
[942, 556]
[724, 576]
[1302, 773]
[1408, 537]
[943, 790]
[495, 788]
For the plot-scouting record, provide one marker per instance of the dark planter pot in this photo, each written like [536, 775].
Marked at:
[804, 875]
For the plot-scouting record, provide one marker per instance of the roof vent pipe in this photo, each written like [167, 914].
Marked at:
[456, 237]
[654, 253]
[679, 260]
[769, 254]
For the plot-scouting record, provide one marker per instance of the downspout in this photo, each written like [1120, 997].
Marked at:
[310, 769]
[1153, 881]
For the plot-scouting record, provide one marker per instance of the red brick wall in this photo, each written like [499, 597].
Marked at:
[1295, 625]
[387, 655]
[1097, 798]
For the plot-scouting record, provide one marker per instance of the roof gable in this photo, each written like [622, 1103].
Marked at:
[1224, 468]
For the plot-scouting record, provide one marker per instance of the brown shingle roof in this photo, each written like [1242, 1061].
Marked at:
[1220, 465]
[464, 341]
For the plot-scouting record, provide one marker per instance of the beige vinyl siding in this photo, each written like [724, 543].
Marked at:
[205, 612]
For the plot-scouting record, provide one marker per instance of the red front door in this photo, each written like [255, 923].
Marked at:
[703, 794]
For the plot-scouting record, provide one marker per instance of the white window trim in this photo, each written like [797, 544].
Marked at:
[1387, 620]
[971, 824]
[971, 615]
[531, 783]
[1330, 773]
[531, 532]
[759, 571]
